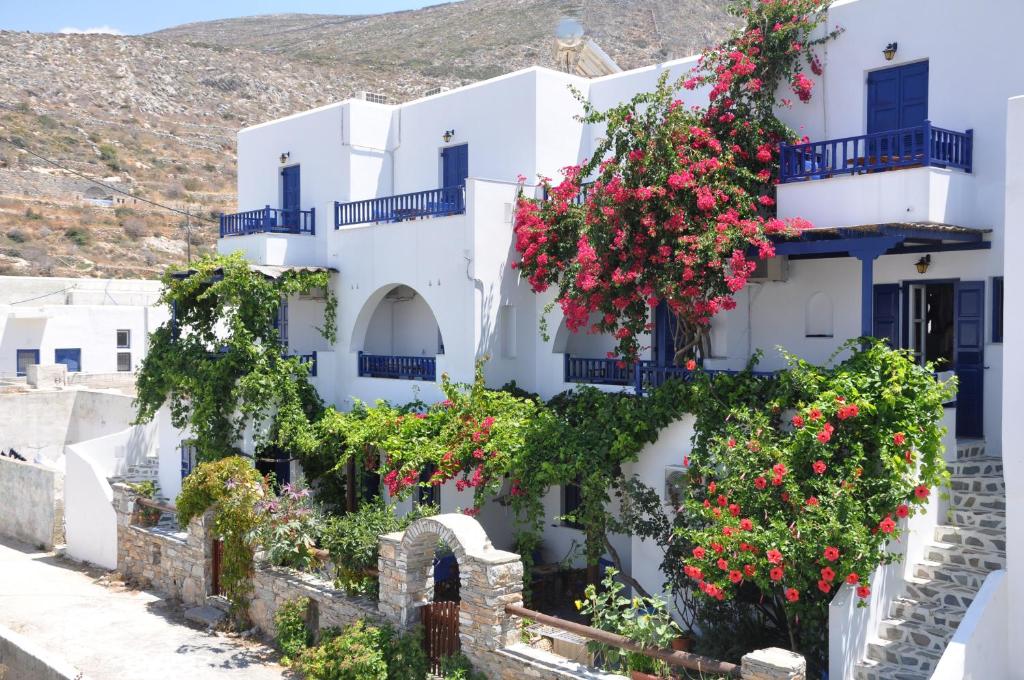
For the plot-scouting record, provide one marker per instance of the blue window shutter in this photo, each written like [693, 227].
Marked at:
[70, 357]
[997, 309]
[969, 357]
[886, 313]
[898, 97]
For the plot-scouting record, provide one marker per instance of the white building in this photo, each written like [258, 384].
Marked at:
[89, 325]
[412, 205]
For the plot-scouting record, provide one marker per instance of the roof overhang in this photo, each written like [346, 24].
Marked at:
[893, 238]
[268, 270]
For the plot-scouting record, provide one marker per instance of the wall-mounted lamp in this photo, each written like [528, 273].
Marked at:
[923, 264]
[447, 136]
[285, 156]
[890, 51]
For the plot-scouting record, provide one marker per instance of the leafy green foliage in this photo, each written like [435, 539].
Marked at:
[458, 667]
[365, 652]
[293, 636]
[234, 489]
[218, 363]
[353, 539]
[291, 528]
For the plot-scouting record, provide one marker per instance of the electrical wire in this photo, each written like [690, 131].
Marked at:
[44, 295]
[105, 185]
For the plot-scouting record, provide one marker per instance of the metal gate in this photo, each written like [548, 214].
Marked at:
[440, 632]
[218, 561]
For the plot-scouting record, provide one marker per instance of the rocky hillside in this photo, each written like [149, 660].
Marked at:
[155, 116]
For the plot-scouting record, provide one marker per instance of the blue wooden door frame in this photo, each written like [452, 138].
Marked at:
[17, 355]
[454, 165]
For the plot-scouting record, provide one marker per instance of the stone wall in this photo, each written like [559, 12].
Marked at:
[176, 563]
[33, 503]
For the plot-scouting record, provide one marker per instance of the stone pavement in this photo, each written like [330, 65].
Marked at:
[111, 633]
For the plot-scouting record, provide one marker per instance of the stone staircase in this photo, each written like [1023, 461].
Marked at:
[148, 470]
[923, 619]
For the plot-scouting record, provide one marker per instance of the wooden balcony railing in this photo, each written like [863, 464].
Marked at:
[397, 367]
[269, 220]
[923, 145]
[402, 207]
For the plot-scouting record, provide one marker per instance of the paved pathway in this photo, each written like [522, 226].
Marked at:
[110, 633]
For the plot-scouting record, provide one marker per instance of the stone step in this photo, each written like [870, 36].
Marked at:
[979, 519]
[970, 448]
[953, 553]
[987, 465]
[951, 573]
[977, 500]
[916, 633]
[979, 538]
[940, 591]
[978, 484]
[870, 669]
[906, 657]
[928, 613]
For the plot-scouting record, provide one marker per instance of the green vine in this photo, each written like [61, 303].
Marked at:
[218, 362]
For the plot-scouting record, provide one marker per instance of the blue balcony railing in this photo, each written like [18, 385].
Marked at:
[643, 375]
[402, 207]
[309, 359]
[269, 220]
[924, 145]
[580, 198]
[397, 367]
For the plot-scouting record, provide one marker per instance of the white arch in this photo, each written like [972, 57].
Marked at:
[396, 319]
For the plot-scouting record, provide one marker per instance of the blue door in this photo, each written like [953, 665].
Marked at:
[454, 165]
[886, 313]
[663, 349]
[969, 357]
[25, 358]
[72, 358]
[898, 97]
[291, 201]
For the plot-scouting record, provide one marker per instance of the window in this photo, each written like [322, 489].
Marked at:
[25, 358]
[124, 338]
[281, 322]
[571, 502]
[997, 309]
[124, 361]
[188, 458]
[70, 357]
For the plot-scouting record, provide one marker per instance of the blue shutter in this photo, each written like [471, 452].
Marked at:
[454, 165]
[898, 97]
[885, 313]
[997, 309]
[664, 346]
[72, 358]
[969, 357]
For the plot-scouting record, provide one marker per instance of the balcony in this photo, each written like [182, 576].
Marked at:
[402, 207]
[921, 146]
[397, 367]
[643, 375]
[269, 221]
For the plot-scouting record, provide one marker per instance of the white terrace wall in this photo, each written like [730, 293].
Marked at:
[33, 503]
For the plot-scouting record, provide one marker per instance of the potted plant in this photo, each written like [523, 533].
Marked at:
[144, 515]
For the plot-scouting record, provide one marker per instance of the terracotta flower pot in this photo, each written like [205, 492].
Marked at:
[683, 643]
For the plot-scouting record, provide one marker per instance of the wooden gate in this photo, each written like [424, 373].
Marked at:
[218, 562]
[440, 632]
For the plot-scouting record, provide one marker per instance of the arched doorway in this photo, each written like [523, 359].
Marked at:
[397, 336]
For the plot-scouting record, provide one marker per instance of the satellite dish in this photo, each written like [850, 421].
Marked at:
[569, 33]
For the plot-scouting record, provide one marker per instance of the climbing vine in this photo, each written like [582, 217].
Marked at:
[218, 363]
[675, 199]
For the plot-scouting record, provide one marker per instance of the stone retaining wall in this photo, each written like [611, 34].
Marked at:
[33, 502]
[273, 586]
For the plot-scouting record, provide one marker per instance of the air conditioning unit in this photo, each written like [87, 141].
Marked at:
[772, 269]
[372, 97]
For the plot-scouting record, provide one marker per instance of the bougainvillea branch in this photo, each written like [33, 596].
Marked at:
[680, 203]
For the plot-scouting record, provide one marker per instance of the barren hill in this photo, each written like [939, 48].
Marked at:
[156, 115]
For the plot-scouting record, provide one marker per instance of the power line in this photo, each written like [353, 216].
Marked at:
[103, 184]
[39, 297]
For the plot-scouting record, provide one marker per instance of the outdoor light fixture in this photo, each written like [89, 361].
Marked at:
[890, 51]
[447, 136]
[285, 156]
[923, 264]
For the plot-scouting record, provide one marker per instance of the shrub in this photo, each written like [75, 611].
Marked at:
[80, 237]
[405, 657]
[293, 636]
[458, 667]
[290, 533]
[134, 227]
[352, 541]
[17, 235]
[357, 653]
[121, 212]
[192, 184]
[32, 214]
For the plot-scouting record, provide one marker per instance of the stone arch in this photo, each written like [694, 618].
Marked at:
[489, 578]
[818, 317]
[369, 324]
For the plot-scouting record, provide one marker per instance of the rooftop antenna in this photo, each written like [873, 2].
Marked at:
[569, 36]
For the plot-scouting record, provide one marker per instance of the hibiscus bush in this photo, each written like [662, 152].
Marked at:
[675, 200]
[800, 481]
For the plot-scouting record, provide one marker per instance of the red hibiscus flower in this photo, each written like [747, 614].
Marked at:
[749, 570]
[899, 438]
[852, 578]
[711, 487]
[887, 526]
[760, 483]
[776, 573]
[699, 552]
[922, 492]
[863, 592]
[691, 365]
[717, 547]
[819, 467]
[792, 594]
[798, 421]
[735, 576]
[746, 524]
[902, 510]
[827, 574]
[779, 469]
[734, 510]
[831, 553]
[823, 586]
[812, 501]
[774, 556]
[814, 414]
[826, 433]
[723, 564]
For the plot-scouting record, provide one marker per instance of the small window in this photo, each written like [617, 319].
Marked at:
[124, 339]
[124, 361]
[571, 501]
[188, 458]
[997, 309]
[70, 357]
[25, 358]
